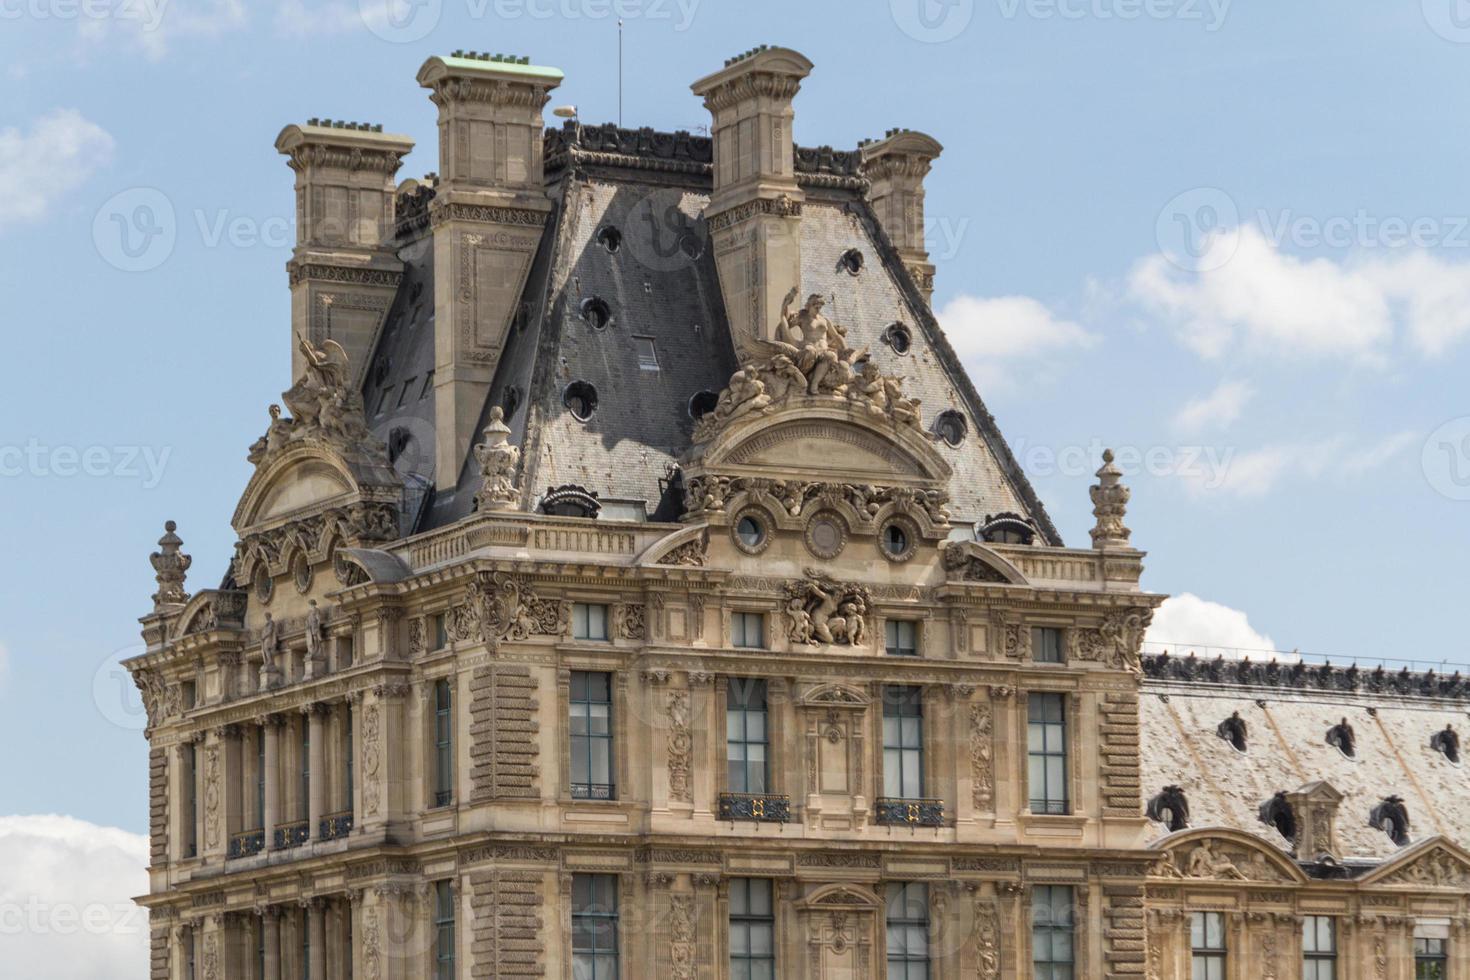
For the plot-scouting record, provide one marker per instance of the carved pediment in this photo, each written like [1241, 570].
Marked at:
[835, 696]
[971, 561]
[841, 896]
[1434, 863]
[1224, 855]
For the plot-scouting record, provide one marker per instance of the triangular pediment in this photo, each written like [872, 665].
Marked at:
[1432, 863]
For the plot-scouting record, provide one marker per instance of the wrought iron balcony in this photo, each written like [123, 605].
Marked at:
[913, 813]
[249, 843]
[592, 791]
[293, 834]
[760, 807]
[335, 825]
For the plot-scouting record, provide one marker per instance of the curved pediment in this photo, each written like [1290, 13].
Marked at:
[815, 437]
[307, 478]
[835, 696]
[1222, 854]
[841, 896]
[971, 561]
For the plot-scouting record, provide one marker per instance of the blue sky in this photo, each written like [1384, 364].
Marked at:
[1230, 232]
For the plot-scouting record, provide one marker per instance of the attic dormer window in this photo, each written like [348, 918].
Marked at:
[702, 404]
[580, 398]
[570, 500]
[1006, 528]
[1391, 817]
[1170, 808]
[596, 312]
[851, 262]
[1340, 736]
[899, 338]
[1233, 730]
[610, 238]
[1276, 812]
[1446, 743]
[950, 426]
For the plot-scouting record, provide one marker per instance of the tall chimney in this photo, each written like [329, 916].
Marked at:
[896, 167]
[342, 276]
[754, 214]
[489, 209]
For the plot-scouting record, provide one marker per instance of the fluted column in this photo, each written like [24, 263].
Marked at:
[272, 782]
[270, 922]
[316, 759]
[316, 926]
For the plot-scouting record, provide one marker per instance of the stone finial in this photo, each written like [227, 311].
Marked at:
[1109, 506]
[498, 460]
[169, 566]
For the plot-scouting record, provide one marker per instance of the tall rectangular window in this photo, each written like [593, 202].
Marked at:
[443, 743]
[591, 728]
[189, 973]
[903, 743]
[191, 800]
[746, 736]
[752, 930]
[260, 777]
[901, 637]
[1431, 959]
[594, 927]
[441, 631]
[748, 630]
[1046, 645]
[1207, 946]
[350, 761]
[1046, 735]
[305, 807]
[303, 923]
[1319, 948]
[908, 931]
[589, 621]
[443, 931]
[1051, 932]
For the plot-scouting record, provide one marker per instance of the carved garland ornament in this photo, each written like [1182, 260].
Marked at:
[681, 931]
[681, 746]
[504, 607]
[710, 494]
[982, 775]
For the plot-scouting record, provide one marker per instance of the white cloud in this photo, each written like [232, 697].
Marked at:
[1187, 623]
[1256, 297]
[40, 166]
[1219, 409]
[1255, 473]
[991, 334]
[66, 909]
[153, 26]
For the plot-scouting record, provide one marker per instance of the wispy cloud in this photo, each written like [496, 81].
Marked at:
[41, 165]
[1217, 410]
[993, 334]
[1258, 472]
[154, 26]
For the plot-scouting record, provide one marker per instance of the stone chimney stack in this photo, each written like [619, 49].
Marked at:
[755, 212]
[489, 209]
[896, 167]
[1315, 809]
[342, 276]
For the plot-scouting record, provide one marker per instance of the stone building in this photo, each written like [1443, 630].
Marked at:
[639, 586]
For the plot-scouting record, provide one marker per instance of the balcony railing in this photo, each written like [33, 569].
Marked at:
[913, 813]
[293, 834]
[592, 791]
[760, 807]
[335, 825]
[249, 843]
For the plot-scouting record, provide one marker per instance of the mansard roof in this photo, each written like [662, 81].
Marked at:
[659, 284]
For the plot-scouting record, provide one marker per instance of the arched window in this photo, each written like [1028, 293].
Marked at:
[570, 500]
[1007, 528]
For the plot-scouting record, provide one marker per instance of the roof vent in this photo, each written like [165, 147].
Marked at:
[851, 262]
[1341, 737]
[610, 238]
[1391, 817]
[1170, 808]
[1233, 730]
[899, 338]
[951, 427]
[596, 312]
[1447, 743]
[580, 398]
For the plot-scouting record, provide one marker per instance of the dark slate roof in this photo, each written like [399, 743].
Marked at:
[661, 284]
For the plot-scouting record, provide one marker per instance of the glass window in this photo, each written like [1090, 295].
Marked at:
[1319, 948]
[591, 727]
[901, 637]
[594, 927]
[748, 630]
[191, 798]
[1046, 733]
[259, 777]
[1207, 946]
[746, 737]
[189, 973]
[589, 621]
[441, 631]
[305, 770]
[1431, 959]
[1051, 932]
[908, 931]
[1046, 645]
[444, 931]
[647, 353]
[903, 743]
[443, 744]
[347, 781]
[752, 930]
